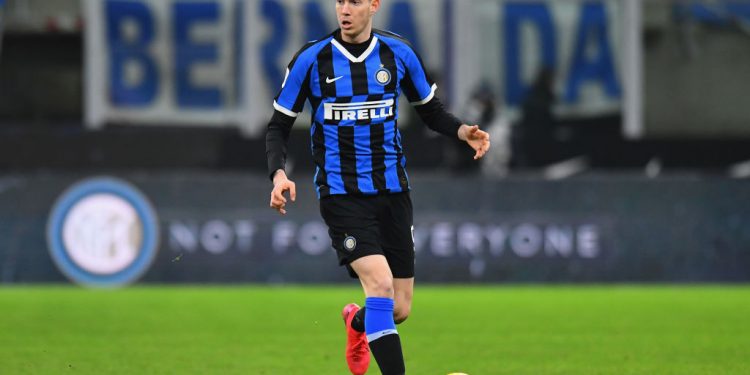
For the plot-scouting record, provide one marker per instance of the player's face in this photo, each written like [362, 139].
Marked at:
[355, 18]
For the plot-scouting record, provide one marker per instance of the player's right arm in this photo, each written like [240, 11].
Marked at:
[282, 184]
[287, 105]
[276, 140]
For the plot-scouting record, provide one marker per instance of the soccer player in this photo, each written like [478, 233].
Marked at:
[352, 79]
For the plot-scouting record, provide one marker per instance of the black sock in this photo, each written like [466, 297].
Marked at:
[382, 336]
[387, 352]
[358, 323]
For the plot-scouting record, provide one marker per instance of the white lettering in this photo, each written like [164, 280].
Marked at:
[359, 111]
[313, 238]
[558, 240]
[442, 240]
[216, 237]
[588, 241]
[283, 236]
[470, 238]
[244, 230]
[496, 236]
[526, 240]
[183, 237]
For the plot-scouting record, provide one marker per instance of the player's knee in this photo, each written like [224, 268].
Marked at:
[400, 313]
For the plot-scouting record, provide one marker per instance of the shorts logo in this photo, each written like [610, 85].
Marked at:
[350, 243]
[102, 232]
[383, 76]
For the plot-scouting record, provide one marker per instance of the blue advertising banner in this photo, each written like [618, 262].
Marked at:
[108, 231]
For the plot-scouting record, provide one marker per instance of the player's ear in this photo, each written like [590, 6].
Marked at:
[374, 6]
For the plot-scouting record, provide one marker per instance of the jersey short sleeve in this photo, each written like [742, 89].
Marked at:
[416, 85]
[294, 90]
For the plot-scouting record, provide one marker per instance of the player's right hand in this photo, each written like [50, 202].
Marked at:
[281, 184]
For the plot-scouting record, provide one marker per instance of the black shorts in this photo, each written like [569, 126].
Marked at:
[368, 225]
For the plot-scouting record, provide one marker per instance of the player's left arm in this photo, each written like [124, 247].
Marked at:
[438, 119]
[420, 90]
[477, 139]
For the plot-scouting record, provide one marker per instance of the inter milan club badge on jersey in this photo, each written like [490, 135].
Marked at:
[350, 243]
[103, 232]
[383, 76]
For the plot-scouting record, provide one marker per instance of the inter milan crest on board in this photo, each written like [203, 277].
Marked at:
[103, 232]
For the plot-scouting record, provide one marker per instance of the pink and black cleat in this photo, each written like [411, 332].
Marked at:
[357, 350]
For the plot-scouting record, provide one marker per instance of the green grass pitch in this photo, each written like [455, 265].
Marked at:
[298, 330]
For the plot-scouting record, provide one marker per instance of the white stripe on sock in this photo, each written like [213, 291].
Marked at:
[374, 336]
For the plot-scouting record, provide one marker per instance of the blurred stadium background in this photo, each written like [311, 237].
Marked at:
[132, 152]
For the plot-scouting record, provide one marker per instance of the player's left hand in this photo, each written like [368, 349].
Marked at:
[478, 139]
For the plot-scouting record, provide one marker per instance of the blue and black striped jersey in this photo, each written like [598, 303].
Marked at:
[356, 144]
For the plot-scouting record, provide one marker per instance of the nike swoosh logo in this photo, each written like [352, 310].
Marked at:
[328, 80]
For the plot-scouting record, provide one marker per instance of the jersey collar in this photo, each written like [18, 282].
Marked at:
[351, 57]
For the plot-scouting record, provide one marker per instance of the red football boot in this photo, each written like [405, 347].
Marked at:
[357, 350]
